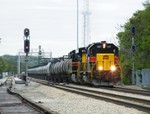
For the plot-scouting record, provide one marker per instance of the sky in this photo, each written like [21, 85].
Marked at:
[53, 23]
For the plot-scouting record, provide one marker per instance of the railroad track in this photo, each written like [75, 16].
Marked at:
[137, 103]
[125, 90]
[12, 102]
[133, 91]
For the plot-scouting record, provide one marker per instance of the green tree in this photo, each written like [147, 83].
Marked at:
[2, 65]
[8, 64]
[141, 21]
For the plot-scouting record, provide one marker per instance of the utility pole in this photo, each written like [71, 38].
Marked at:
[133, 51]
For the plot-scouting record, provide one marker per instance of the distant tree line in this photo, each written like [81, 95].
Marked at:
[141, 21]
[7, 65]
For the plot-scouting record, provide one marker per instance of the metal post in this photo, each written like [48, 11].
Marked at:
[26, 70]
[19, 64]
[77, 24]
[132, 52]
[50, 55]
[133, 80]
[39, 54]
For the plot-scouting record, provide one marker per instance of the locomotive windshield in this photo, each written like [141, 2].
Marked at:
[98, 48]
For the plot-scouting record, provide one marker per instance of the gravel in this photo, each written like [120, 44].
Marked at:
[69, 103]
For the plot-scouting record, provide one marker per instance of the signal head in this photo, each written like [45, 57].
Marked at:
[26, 46]
[133, 31]
[26, 32]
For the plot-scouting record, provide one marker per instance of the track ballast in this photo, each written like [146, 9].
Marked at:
[137, 103]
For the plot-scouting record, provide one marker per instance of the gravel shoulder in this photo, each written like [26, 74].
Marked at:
[68, 103]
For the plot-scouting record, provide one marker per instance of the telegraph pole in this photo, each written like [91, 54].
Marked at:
[26, 49]
[133, 51]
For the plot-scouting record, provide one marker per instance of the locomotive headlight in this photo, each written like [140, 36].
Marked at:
[104, 45]
[100, 68]
[113, 68]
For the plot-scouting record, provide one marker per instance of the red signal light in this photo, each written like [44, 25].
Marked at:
[26, 46]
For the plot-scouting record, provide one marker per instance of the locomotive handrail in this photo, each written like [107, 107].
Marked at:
[93, 65]
[78, 70]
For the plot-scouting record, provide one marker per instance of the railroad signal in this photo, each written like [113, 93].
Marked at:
[26, 40]
[26, 32]
[133, 31]
[26, 46]
[133, 48]
[26, 49]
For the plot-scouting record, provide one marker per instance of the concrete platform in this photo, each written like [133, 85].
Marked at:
[2, 81]
[19, 81]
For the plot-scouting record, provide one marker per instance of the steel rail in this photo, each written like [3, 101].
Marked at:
[134, 91]
[122, 89]
[114, 95]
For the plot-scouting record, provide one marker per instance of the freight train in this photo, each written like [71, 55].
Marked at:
[96, 64]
